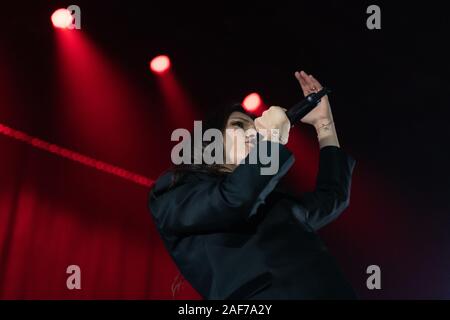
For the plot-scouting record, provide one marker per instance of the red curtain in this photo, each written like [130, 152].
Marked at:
[55, 213]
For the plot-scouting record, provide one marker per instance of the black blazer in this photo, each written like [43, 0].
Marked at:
[239, 237]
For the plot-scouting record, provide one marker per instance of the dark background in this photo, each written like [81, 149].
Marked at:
[389, 102]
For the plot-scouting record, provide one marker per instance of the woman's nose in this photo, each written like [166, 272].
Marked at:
[250, 134]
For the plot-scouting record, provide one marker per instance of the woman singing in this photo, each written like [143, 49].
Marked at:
[234, 234]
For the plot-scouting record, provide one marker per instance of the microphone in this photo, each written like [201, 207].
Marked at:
[302, 108]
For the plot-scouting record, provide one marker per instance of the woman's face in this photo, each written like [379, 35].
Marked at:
[239, 137]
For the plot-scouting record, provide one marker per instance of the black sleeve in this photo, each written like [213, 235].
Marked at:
[332, 193]
[215, 205]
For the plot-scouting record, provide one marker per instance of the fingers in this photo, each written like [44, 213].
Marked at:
[298, 76]
[315, 83]
[276, 111]
[309, 80]
[302, 82]
[308, 83]
[258, 124]
[274, 117]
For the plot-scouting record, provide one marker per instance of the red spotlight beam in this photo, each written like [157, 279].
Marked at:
[75, 156]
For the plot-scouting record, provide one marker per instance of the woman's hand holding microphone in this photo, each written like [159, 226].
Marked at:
[321, 116]
[274, 125]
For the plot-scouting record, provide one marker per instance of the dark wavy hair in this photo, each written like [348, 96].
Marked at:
[216, 119]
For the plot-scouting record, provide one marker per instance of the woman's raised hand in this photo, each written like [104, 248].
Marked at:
[322, 112]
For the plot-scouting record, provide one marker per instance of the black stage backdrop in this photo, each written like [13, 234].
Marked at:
[91, 92]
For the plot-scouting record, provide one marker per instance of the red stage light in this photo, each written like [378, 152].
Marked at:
[160, 64]
[62, 18]
[252, 102]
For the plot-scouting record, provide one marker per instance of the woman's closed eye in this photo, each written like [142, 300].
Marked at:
[239, 124]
